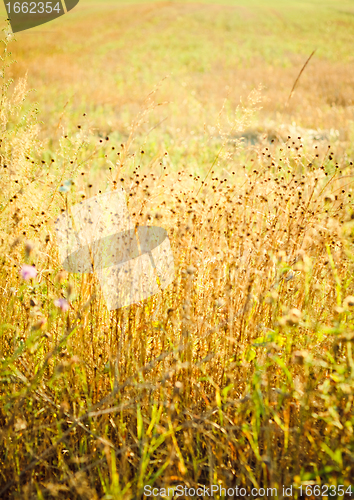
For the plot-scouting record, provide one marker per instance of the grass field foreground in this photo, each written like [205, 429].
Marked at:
[241, 372]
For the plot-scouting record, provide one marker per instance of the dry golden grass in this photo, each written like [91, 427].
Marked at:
[241, 372]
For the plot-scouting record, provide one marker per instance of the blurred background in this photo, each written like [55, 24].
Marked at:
[104, 58]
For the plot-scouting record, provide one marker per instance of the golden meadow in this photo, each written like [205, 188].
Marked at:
[241, 372]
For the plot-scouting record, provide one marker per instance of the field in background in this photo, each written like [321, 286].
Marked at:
[241, 373]
[104, 58]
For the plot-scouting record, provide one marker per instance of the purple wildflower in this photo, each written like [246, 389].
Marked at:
[28, 272]
[63, 304]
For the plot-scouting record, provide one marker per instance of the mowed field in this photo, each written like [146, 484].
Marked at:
[240, 373]
[105, 58]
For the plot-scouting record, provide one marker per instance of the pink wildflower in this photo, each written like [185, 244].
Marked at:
[28, 272]
[63, 304]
